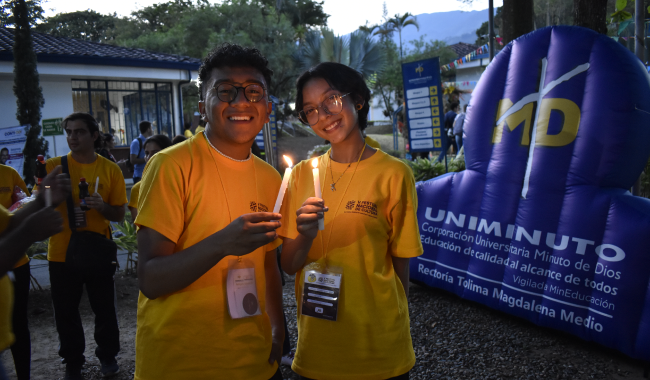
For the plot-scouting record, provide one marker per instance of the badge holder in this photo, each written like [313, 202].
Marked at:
[241, 289]
[321, 289]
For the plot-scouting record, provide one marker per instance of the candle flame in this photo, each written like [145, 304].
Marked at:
[289, 162]
[314, 163]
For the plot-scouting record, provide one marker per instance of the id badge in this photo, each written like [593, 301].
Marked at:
[320, 294]
[242, 290]
[80, 218]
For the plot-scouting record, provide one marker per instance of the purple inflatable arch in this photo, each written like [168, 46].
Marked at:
[542, 224]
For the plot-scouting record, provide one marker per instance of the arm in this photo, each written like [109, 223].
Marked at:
[162, 271]
[134, 213]
[401, 266]
[37, 226]
[274, 304]
[294, 251]
[135, 160]
[59, 186]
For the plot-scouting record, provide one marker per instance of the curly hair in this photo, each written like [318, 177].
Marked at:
[233, 55]
[341, 78]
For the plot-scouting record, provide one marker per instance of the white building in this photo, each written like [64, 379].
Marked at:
[119, 86]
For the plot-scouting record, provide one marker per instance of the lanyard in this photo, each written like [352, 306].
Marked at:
[223, 187]
[338, 207]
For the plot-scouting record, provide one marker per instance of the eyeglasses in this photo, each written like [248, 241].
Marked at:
[333, 105]
[227, 92]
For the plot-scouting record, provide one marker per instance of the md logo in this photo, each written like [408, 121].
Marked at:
[521, 113]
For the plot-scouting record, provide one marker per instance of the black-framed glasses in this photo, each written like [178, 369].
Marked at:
[333, 105]
[226, 92]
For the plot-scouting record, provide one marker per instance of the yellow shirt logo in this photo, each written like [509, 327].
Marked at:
[311, 278]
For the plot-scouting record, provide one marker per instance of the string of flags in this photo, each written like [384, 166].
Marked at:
[470, 57]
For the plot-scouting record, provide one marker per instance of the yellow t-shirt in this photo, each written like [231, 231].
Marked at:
[9, 178]
[199, 129]
[188, 193]
[111, 188]
[6, 295]
[370, 219]
[372, 142]
[188, 133]
[135, 195]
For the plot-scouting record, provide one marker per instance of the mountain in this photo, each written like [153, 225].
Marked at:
[451, 27]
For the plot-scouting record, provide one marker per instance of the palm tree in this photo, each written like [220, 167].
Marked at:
[400, 22]
[358, 51]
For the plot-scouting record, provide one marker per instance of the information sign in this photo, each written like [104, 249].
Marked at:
[424, 111]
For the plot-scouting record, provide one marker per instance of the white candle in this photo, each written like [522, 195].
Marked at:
[97, 185]
[48, 196]
[283, 187]
[315, 172]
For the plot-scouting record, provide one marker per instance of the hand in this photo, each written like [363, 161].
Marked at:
[43, 224]
[95, 201]
[308, 215]
[276, 352]
[249, 232]
[59, 186]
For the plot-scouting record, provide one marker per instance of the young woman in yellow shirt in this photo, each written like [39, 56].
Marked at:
[370, 232]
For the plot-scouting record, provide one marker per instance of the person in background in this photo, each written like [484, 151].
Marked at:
[370, 233]
[105, 204]
[4, 155]
[153, 145]
[31, 223]
[21, 349]
[137, 153]
[458, 127]
[450, 116]
[204, 212]
[188, 130]
[178, 139]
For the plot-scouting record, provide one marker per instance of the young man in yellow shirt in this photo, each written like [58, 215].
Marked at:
[203, 221]
[21, 349]
[33, 222]
[105, 204]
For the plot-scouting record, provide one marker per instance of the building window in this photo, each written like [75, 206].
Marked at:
[120, 106]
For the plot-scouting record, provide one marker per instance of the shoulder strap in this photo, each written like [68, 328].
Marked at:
[139, 142]
[68, 201]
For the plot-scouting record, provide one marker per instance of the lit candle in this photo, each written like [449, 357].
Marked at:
[48, 196]
[97, 185]
[317, 191]
[283, 188]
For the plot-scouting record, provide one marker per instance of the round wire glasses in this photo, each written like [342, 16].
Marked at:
[333, 105]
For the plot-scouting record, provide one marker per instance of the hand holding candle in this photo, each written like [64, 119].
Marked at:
[315, 172]
[283, 187]
[97, 185]
[48, 196]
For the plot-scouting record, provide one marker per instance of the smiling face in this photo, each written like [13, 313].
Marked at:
[335, 128]
[80, 140]
[238, 122]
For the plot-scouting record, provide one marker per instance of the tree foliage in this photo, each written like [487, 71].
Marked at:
[29, 95]
[83, 25]
[34, 12]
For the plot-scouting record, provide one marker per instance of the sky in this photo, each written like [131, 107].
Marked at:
[345, 15]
